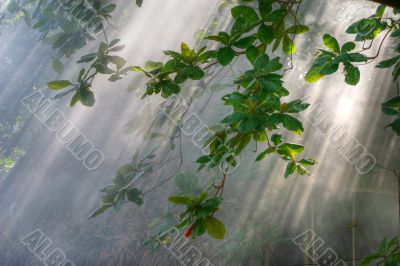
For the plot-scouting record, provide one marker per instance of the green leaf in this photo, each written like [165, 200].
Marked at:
[389, 62]
[357, 57]
[301, 170]
[290, 147]
[102, 49]
[290, 169]
[114, 42]
[225, 56]
[367, 261]
[288, 45]
[395, 125]
[291, 123]
[135, 195]
[298, 29]
[222, 37]
[195, 72]
[265, 8]
[276, 15]
[201, 198]
[151, 65]
[180, 200]
[139, 3]
[307, 162]
[87, 58]
[174, 55]
[100, 210]
[117, 48]
[261, 63]
[314, 74]
[58, 66]
[276, 139]
[169, 66]
[117, 60]
[348, 46]
[277, 43]
[169, 87]
[109, 8]
[203, 159]
[199, 227]
[245, 42]
[102, 68]
[296, 106]
[380, 11]
[187, 183]
[252, 54]
[352, 74]
[329, 68]
[392, 106]
[262, 155]
[247, 13]
[331, 43]
[265, 34]
[273, 65]
[86, 97]
[186, 52]
[215, 228]
[74, 99]
[59, 84]
[212, 203]
[204, 57]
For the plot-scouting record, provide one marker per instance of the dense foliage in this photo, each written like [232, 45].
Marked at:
[366, 31]
[257, 103]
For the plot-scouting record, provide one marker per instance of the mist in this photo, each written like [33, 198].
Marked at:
[49, 187]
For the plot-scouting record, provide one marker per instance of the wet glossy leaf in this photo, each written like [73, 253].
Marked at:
[265, 34]
[314, 74]
[288, 46]
[308, 162]
[276, 139]
[329, 68]
[389, 62]
[252, 54]
[392, 106]
[331, 43]
[357, 57]
[348, 46]
[290, 169]
[352, 74]
[395, 125]
[74, 99]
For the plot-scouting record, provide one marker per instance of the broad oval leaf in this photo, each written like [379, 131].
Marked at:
[331, 43]
[215, 228]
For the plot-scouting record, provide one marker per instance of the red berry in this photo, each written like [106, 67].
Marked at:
[188, 232]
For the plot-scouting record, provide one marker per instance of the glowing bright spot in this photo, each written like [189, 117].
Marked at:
[344, 107]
